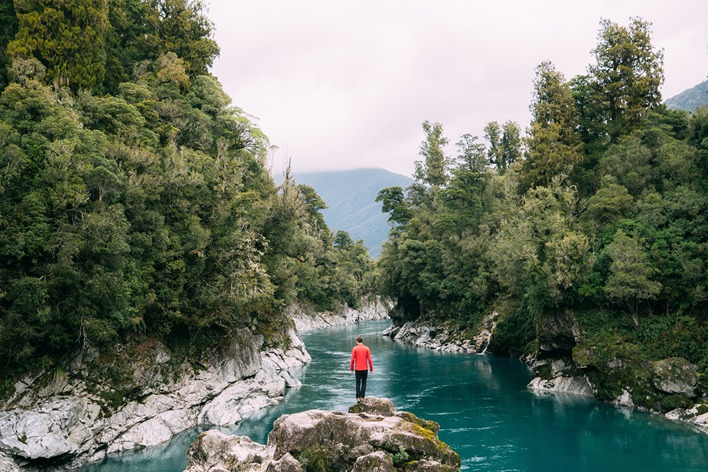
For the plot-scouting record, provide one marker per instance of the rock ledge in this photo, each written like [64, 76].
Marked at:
[373, 436]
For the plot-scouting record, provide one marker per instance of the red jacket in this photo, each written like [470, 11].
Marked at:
[361, 357]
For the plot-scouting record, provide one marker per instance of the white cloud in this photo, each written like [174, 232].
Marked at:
[347, 84]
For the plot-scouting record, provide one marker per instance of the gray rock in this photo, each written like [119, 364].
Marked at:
[696, 416]
[307, 321]
[374, 406]
[63, 421]
[377, 461]
[624, 399]
[575, 385]
[7, 464]
[331, 440]
[675, 375]
[561, 332]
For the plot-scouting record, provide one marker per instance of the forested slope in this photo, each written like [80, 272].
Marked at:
[350, 197]
[592, 226]
[135, 201]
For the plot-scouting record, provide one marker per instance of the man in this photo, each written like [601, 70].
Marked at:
[360, 363]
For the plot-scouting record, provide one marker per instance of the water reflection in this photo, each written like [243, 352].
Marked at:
[485, 411]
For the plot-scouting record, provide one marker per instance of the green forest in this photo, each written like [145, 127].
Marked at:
[599, 210]
[136, 203]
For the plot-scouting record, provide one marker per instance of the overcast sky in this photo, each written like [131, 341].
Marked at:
[347, 84]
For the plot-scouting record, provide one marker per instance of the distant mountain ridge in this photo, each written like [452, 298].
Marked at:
[351, 200]
[691, 99]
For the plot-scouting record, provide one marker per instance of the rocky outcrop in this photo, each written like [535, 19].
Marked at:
[675, 375]
[696, 416]
[445, 337]
[573, 385]
[561, 332]
[308, 321]
[371, 437]
[66, 419]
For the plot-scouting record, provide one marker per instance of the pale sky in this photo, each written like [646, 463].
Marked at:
[342, 85]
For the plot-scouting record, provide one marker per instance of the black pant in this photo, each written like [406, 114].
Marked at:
[360, 376]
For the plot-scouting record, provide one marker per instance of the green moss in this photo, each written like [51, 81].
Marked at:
[314, 459]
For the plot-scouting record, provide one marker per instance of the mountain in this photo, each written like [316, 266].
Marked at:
[690, 99]
[351, 200]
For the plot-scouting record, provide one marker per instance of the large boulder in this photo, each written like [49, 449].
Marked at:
[578, 385]
[377, 438]
[674, 375]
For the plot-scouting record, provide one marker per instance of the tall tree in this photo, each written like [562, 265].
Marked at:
[504, 144]
[553, 142]
[67, 36]
[627, 75]
[433, 170]
[9, 23]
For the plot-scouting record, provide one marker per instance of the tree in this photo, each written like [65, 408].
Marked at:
[627, 75]
[630, 275]
[8, 20]
[504, 144]
[434, 169]
[68, 37]
[393, 201]
[553, 143]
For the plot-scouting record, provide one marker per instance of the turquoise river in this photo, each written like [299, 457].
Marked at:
[484, 409]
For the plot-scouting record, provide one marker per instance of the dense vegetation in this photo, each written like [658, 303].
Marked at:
[135, 200]
[600, 210]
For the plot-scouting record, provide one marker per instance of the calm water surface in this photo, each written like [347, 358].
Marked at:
[484, 409]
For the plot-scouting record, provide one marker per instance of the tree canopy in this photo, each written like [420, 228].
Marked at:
[602, 215]
[136, 201]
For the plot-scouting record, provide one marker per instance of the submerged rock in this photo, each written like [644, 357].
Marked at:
[372, 437]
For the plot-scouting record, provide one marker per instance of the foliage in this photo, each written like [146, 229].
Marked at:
[97, 45]
[433, 169]
[553, 142]
[147, 211]
[604, 217]
[626, 76]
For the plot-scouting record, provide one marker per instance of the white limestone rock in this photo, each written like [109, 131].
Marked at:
[692, 416]
[575, 385]
[7, 464]
[675, 375]
[304, 321]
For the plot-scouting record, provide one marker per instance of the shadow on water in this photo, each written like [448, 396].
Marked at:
[485, 411]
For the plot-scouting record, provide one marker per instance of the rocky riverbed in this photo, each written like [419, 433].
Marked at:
[66, 419]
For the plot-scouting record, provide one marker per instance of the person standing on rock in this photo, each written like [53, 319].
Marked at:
[361, 364]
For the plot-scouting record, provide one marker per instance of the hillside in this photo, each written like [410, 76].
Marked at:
[690, 99]
[351, 200]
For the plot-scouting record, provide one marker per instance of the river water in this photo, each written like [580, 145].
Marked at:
[484, 409]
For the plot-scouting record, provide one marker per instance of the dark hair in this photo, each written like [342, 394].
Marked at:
[359, 339]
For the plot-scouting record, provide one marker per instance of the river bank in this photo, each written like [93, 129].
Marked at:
[59, 420]
[559, 373]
